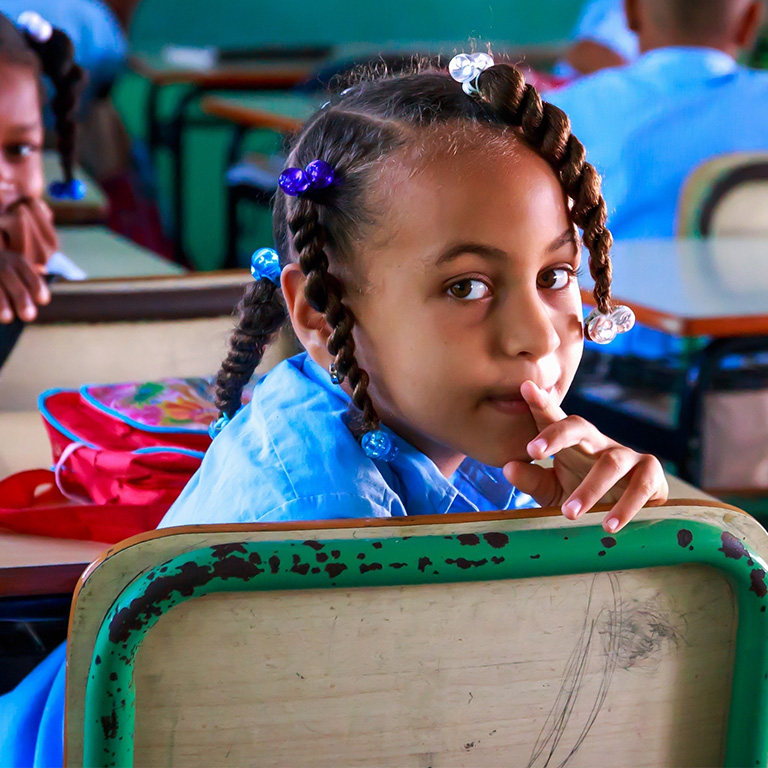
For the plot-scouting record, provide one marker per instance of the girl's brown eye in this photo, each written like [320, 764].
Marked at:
[468, 290]
[18, 151]
[554, 279]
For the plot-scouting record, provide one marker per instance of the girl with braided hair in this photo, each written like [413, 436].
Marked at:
[27, 237]
[427, 233]
[428, 257]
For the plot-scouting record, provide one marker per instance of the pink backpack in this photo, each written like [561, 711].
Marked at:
[122, 454]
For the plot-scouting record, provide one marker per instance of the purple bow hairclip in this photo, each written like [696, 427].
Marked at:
[317, 175]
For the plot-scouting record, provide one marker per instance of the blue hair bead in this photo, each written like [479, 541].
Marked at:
[377, 444]
[67, 190]
[294, 181]
[218, 425]
[265, 263]
[316, 175]
[320, 174]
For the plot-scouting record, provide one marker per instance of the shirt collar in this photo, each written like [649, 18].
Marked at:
[684, 63]
[418, 481]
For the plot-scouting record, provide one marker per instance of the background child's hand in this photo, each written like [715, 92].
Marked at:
[588, 466]
[22, 287]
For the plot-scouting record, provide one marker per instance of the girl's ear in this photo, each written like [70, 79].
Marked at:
[749, 24]
[310, 326]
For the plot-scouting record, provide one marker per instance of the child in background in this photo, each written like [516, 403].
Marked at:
[27, 237]
[429, 252]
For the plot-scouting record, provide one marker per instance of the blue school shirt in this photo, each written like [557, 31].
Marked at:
[288, 455]
[647, 125]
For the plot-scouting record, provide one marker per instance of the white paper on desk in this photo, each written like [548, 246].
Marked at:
[190, 57]
[59, 264]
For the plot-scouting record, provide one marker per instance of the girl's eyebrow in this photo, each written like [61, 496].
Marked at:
[569, 236]
[487, 251]
[25, 127]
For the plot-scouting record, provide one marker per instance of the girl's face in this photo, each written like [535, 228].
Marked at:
[466, 289]
[21, 136]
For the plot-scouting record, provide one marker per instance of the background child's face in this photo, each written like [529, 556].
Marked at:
[466, 289]
[21, 136]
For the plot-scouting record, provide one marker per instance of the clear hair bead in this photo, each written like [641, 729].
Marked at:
[602, 328]
[38, 27]
[377, 444]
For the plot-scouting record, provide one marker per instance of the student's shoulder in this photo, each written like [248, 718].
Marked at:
[287, 455]
[753, 81]
[601, 85]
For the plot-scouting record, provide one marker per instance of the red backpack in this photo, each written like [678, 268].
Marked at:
[122, 454]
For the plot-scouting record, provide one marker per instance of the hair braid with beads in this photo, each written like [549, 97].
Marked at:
[547, 130]
[370, 121]
[57, 56]
[56, 59]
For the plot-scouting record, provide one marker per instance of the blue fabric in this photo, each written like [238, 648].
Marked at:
[604, 22]
[288, 455]
[647, 125]
[32, 716]
[100, 46]
[285, 456]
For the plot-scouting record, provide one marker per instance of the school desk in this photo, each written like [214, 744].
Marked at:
[715, 288]
[104, 254]
[255, 73]
[481, 639]
[278, 112]
[92, 209]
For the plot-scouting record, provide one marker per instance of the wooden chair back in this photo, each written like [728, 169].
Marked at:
[726, 196]
[490, 639]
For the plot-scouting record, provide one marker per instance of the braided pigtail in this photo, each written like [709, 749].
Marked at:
[324, 292]
[547, 130]
[57, 56]
[262, 313]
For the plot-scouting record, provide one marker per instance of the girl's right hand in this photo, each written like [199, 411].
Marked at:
[22, 288]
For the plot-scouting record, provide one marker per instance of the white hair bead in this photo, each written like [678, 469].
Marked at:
[38, 27]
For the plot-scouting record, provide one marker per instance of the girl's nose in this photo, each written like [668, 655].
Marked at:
[6, 169]
[527, 327]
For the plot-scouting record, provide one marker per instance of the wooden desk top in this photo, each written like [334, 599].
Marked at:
[36, 565]
[103, 254]
[92, 209]
[284, 112]
[716, 287]
[256, 73]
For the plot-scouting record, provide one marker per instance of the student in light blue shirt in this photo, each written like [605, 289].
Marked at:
[428, 257]
[647, 125]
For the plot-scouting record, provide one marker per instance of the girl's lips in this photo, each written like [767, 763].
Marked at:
[512, 405]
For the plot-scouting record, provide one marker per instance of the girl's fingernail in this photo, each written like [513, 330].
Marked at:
[572, 508]
[611, 524]
[538, 445]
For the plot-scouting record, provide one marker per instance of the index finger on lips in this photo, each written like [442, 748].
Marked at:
[544, 409]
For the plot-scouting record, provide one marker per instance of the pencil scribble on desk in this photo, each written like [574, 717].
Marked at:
[626, 634]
